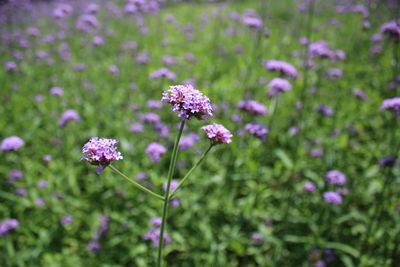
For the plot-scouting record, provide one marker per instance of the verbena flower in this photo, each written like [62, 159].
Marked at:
[174, 184]
[14, 175]
[57, 91]
[188, 102]
[392, 29]
[335, 177]
[257, 239]
[257, 129]
[66, 220]
[8, 225]
[153, 235]
[391, 103]
[281, 66]
[278, 86]
[188, 141]
[253, 107]
[67, 116]
[332, 198]
[100, 152]
[309, 187]
[11, 143]
[163, 73]
[217, 133]
[155, 150]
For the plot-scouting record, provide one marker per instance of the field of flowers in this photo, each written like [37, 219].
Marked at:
[287, 113]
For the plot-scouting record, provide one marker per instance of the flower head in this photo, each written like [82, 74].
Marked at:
[11, 143]
[187, 101]
[8, 225]
[281, 66]
[332, 198]
[217, 133]
[391, 103]
[257, 129]
[155, 150]
[252, 107]
[69, 115]
[100, 151]
[279, 85]
[335, 177]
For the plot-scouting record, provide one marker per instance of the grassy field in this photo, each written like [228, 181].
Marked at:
[246, 205]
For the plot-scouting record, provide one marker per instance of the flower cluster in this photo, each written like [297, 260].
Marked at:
[253, 107]
[188, 102]
[100, 151]
[335, 177]
[11, 143]
[163, 73]
[278, 86]
[67, 116]
[153, 234]
[391, 103]
[217, 133]
[333, 198]
[8, 225]
[155, 150]
[257, 130]
[281, 66]
[392, 29]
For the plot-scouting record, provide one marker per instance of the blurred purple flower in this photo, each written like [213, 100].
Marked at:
[67, 116]
[335, 177]
[155, 150]
[11, 143]
[8, 225]
[332, 198]
[252, 107]
[66, 220]
[282, 67]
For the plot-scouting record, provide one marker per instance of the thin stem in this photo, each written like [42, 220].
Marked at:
[135, 183]
[166, 197]
[190, 171]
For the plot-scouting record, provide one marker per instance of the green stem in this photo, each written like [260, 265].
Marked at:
[136, 184]
[190, 171]
[166, 197]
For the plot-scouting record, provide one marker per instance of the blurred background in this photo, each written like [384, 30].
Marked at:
[311, 177]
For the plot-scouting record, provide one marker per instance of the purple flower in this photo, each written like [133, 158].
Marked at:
[57, 91]
[253, 107]
[136, 128]
[10, 66]
[388, 161]
[47, 159]
[174, 184]
[309, 187]
[21, 192]
[150, 117]
[392, 29]
[217, 133]
[113, 69]
[97, 41]
[335, 73]
[257, 239]
[153, 234]
[100, 151]
[253, 22]
[332, 198]
[281, 66]
[39, 98]
[42, 184]
[316, 153]
[11, 143]
[391, 103]
[14, 175]
[163, 73]
[40, 201]
[141, 176]
[325, 110]
[188, 141]
[154, 104]
[278, 86]
[360, 94]
[8, 225]
[103, 227]
[187, 102]
[94, 246]
[320, 263]
[67, 116]
[175, 203]
[66, 220]
[335, 177]
[257, 129]
[155, 150]
[156, 221]
[294, 130]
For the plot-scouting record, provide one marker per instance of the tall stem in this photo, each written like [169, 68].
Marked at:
[166, 196]
[191, 170]
[137, 185]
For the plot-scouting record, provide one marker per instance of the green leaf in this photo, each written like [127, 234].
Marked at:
[342, 247]
[284, 158]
